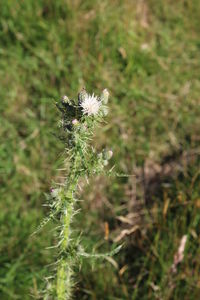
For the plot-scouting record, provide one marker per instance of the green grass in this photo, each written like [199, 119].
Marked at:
[147, 54]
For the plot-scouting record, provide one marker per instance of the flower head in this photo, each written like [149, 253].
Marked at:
[75, 122]
[107, 154]
[110, 154]
[90, 105]
[54, 192]
[105, 96]
[65, 99]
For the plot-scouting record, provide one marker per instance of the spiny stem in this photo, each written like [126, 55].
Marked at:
[64, 272]
[67, 216]
[64, 280]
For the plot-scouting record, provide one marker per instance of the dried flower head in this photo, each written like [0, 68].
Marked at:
[90, 105]
[178, 257]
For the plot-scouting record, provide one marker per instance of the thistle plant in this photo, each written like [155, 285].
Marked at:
[79, 118]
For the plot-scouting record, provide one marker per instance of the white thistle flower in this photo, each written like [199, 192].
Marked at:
[90, 105]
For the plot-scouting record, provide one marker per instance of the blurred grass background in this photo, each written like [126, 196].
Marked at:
[147, 54]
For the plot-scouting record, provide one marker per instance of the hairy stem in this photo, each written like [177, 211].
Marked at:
[64, 283]
[64, 280]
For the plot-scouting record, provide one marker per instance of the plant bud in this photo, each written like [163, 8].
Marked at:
[82, 95]
[105, 162]
[104, 96]
[107, 154]
[100, 155]
[65, 99]
[75, 122]
[104, 110]
[54, 192]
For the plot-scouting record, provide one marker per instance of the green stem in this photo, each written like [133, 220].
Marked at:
[67, 216]
[64, 280]
[64, 284]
